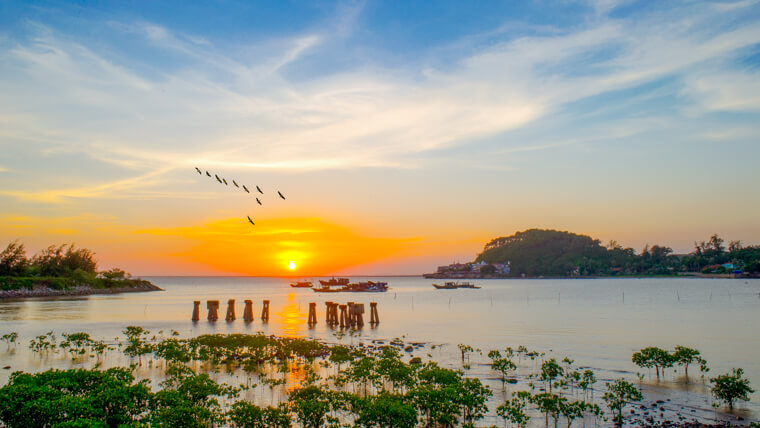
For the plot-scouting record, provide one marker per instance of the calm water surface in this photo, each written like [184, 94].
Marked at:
[597, 322]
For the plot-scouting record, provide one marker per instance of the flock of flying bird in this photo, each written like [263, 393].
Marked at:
[224, 181]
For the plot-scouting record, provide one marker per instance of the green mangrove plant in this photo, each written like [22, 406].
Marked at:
[731, 387]
[618, 394]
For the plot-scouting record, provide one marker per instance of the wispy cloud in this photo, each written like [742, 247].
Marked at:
[723, 90]
[237, 109]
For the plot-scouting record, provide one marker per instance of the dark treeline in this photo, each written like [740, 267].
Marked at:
[57, 267]
[63, 260]
[538, 252]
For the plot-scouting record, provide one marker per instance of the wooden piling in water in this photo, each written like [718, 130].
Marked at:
[265, 311]
[213, 307]
[343, 316]
[334, 314]
[331, 318]
[359, 316]
[312, 314]
[248, 311]
[374, 319]
[350, 319]
[196, 310]
[230, 310]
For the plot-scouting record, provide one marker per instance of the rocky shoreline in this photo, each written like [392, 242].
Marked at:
[80, 290]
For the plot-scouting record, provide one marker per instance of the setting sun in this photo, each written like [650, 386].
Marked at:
[292, 265]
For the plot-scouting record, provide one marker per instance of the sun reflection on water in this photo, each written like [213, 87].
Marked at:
[291, 318]
[295, 376]
[293, 323]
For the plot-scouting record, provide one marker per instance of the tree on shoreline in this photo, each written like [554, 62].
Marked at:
[550, 370]
[618, 394]
[653, 356]
[514, 411]
[731, 387]
[685, 356]
[63, 260]
[13, 261]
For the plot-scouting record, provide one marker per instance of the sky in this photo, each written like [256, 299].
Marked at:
[404, 135]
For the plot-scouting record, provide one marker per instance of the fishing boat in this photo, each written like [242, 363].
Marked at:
[302, 284]
[357, 287]
[368, 286]
[334, 282]
[451, 285]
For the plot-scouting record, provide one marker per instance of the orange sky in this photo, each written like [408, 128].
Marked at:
[232, 246]
[316, 247]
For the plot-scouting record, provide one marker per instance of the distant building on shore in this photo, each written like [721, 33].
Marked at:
[471, 270]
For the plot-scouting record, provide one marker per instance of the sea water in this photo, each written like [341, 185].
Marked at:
[598, 323]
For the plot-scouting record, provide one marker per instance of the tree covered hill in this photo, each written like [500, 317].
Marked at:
[546, 252]
[537, 252]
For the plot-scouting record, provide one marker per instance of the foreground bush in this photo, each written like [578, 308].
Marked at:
[111, 397]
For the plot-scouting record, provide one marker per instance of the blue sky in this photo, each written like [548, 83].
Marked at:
[440, 123]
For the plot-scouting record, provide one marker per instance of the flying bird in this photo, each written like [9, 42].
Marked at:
[278, 192]
[199, 171]
[246, 189]
[249, 219]
[233, 182]
[225, 181]
[257, 200]
[208, 174]
[217, 178]
[259, 189]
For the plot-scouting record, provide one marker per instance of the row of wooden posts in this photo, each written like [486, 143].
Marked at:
[213, 310]
[351, 314]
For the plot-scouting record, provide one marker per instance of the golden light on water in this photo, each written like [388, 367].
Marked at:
[291, 318]
[292, 265]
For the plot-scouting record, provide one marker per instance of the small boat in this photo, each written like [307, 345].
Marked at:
[333, 281]
[451, 285]
[302, 284]
[368, 286]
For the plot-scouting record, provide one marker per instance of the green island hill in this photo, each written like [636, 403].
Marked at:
[61, 271]
[551, 253]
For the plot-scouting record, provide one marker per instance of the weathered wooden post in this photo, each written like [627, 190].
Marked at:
[248, 311]
[230, 310]
[334, 314]
[265, 311]
[359, 317]
[196, 310]
[328, 312]
[343, 316]
[213, 307]
[351, 310]
[373, 318]
[312, 314]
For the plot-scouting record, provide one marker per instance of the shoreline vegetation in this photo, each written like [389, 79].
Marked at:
[220, 379]
[541, 253]
[61, 271]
